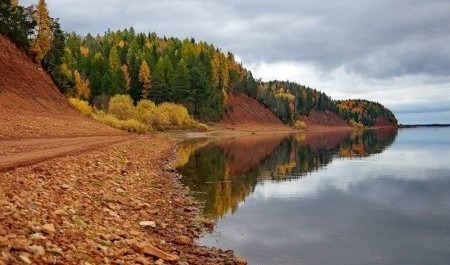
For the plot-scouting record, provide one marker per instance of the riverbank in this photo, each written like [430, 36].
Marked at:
[113, 205]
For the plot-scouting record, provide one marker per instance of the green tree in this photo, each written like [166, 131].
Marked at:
[159, 83]
[14, 23]
[181, 84]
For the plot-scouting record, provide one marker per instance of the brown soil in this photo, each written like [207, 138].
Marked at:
[31, 104]
[247, 115]
[73, 191]
[324, 121]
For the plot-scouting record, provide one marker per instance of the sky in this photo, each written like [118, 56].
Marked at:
[393, 52]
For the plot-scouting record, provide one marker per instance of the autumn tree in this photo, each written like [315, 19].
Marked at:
[82, 89]
[42, 44]
[145, 81]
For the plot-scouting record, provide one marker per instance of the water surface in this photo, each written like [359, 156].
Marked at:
[372, 197]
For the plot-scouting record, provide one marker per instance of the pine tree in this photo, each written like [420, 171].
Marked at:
[42, 44]
[181, 84]
[14, 23]
[159, 84]
[145, 80]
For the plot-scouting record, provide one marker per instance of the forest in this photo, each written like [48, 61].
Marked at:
[145, 66]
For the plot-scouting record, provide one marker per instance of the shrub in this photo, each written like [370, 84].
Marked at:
[122, 107]
[81, 105]
[300, 125]
[177, 114]
[145, 111]
[130, 125]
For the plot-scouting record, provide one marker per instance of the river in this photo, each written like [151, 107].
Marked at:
[361, 197]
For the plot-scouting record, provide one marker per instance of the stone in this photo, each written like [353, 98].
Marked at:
[24, 259]
[159, 262]
[37, 236]
[59, 212]
[37, 250]
[146, 224]
[155, 252]
[19, 244]
[65, 187]
[48, 228]
[183, 240]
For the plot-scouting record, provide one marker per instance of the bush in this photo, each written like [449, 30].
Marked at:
[177, 114]
[81, 105]
[300, 125]
[145, 111]
[122, 107]
[130, 125]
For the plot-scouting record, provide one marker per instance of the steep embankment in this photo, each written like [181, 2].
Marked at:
[247, 114]
[324, 120]
[30, 103]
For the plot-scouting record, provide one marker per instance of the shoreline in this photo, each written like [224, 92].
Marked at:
[121, 204]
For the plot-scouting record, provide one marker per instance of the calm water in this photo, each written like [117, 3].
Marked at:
[378, 197]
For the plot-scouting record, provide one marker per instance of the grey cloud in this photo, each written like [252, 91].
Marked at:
[373, 42]
[372, 38]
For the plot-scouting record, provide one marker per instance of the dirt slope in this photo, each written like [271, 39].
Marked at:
[31, 104]
[324, 120]
[247, 114]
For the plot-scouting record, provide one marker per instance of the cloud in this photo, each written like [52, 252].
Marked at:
[345, 48]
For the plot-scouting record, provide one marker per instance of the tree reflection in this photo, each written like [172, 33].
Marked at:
[222, 173]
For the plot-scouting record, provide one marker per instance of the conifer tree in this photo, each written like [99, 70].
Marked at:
[181, 84]
[145, 81]
[42, 44]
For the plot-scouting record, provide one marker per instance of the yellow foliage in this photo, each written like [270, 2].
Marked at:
[121, 106]
[130, 125]
[125, 71]
[177, 115]
[81, 105]
[82, 89]
[300, 125]
[42, 44]
[145, 79]
[84, 51]
[121, 43]
[145, 111]
[66, 71]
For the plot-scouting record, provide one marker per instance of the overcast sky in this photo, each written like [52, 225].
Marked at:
[394, 52]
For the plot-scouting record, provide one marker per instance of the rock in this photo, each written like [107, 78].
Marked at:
[48, 228]
[24, 259]
[59, 212]
[156, 252]
[37, 236]
[239, 261]
[55, 251]
[146, 224]
[65, 187]
[159, 262]
[20, 244]
[183, 240]
[179, 226]
[182, 263]
[36, 250]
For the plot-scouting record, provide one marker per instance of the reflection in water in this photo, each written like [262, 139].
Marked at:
[223, 173]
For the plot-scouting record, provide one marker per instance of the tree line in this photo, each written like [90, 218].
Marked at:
[195, 74]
